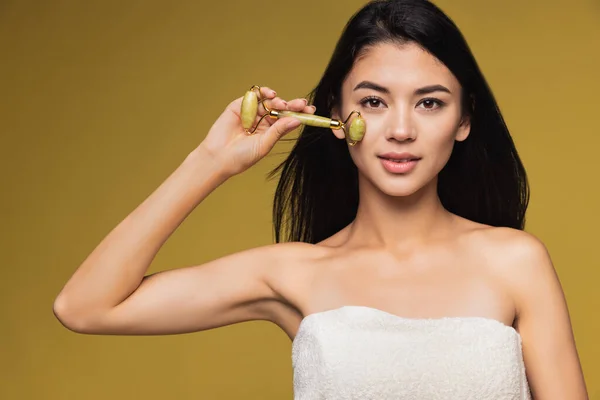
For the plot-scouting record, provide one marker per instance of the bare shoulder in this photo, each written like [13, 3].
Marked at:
[289, 260]
[521, 259]
[507, 243]
[281, 263]
[542, 314]
[512, 248]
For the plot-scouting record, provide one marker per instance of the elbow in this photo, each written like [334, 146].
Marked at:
[75, 321]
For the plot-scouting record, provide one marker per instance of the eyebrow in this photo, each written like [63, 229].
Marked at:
[418, 92]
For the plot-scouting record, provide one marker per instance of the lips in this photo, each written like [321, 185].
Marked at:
[399, 157]
[399, 163]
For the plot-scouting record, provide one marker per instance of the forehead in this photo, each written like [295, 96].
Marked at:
[398, 67]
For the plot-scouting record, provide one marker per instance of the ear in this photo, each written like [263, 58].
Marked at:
[464, 129]
[339, 133]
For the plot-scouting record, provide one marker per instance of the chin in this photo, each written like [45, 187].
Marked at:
[395, 191]
[399, 186]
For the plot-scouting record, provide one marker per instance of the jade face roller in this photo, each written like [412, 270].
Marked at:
[354, 133]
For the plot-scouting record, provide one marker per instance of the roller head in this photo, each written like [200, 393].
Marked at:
[249, 109]
[357, 130]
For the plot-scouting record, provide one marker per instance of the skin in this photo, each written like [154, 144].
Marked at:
[403, 254]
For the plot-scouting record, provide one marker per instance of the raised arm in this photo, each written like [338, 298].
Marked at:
[109, 292]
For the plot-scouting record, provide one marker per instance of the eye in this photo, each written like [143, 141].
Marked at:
[371, 102]
[431, 104]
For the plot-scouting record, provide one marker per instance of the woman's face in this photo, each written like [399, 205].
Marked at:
[412, 106]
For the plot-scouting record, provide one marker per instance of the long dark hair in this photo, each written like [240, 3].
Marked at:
[484, 179]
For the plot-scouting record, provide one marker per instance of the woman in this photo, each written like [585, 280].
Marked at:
[406, 274]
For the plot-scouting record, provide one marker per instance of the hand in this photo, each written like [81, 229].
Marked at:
[228, 143]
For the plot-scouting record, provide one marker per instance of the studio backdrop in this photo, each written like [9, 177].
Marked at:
[100, 100]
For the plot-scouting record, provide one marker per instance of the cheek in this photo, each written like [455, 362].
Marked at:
[376, 128]
[439, 143]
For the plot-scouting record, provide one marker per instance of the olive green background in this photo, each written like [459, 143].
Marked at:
[101, 100]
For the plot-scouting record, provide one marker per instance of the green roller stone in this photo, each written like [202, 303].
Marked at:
[249, 109]
[357, 129]
[307, 119]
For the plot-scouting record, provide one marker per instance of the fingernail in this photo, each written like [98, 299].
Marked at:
[313, 108]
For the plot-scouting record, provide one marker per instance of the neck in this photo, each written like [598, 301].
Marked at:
[393, 223]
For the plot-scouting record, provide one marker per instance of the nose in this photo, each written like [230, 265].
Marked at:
[401, 126]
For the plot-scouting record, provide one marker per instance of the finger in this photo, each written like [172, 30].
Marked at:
[267, 93]
[309, 109]
[297, 105]
[271, 100]
[235, 105]
[280, 128]
[276, 103]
